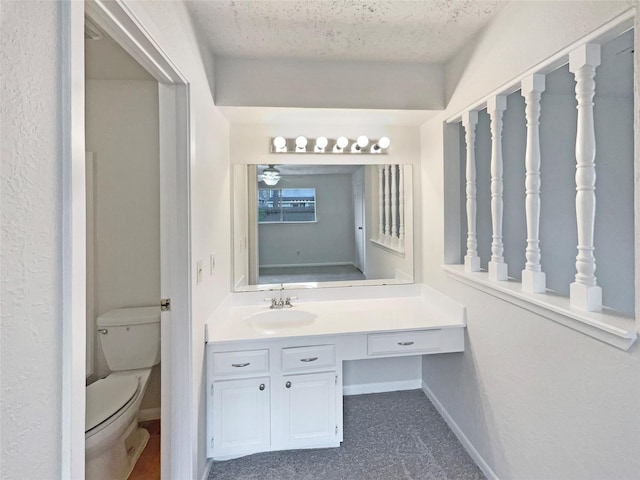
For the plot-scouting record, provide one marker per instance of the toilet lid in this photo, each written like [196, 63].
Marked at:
[105, 397]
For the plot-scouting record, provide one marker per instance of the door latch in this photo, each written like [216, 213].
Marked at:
[165, 304]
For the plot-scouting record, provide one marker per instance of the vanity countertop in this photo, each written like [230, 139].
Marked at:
[430, 310]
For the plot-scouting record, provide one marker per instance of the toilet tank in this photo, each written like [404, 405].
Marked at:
[130, 337]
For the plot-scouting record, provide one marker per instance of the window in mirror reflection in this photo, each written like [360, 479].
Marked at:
[286, 205]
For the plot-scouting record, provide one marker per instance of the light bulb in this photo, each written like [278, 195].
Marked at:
[301, 143]
[321, 143]
[384, 142]
[342, 142]
[362, 141]
[271, 181]
[280, 144]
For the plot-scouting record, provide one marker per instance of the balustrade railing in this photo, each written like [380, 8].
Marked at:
[585, 293]
[391, 204]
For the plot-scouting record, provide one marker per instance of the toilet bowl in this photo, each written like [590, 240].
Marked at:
[113, 439]
[130, 340]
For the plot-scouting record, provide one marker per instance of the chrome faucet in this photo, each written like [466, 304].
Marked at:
[277, 304]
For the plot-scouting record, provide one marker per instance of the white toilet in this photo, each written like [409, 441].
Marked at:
[130, 339]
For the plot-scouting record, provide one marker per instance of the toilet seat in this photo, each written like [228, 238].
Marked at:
[108, 396]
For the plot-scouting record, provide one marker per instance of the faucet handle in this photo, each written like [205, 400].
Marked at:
[273, 301]
[287, 300]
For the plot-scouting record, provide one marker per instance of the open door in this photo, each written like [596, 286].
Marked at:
[359, 220]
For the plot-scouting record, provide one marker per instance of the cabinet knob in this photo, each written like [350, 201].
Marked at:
[261, 387]
[288, 384]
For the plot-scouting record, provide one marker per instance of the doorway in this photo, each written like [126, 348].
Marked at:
[121, 24]
[123, 216]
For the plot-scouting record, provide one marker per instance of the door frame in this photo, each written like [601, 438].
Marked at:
[127, 29]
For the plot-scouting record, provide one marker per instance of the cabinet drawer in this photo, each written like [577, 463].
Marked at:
[239, 363]
[414, 341]
[306, 358]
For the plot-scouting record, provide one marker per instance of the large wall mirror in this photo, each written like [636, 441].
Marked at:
[322, 225]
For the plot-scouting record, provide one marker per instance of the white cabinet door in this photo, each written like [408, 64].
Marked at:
[241, 416]
[308, 410]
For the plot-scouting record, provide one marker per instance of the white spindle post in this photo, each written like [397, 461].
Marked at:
[394, 204]
[387, 198]
[533, 278]
[471, 259]
[585, 292]
[497, 268]
[380, 203]
[401, 229]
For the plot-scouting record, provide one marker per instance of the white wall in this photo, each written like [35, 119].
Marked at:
[31, 245]
[329, 240]
[279, 82]
[240, 235]
[537, 400]
[122, 131]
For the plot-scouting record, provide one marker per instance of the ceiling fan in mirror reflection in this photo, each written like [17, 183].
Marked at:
[270, 175]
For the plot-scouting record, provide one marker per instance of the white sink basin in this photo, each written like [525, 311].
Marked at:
[274, 320]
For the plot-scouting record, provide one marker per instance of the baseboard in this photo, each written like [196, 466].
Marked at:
[466, 443]
[287, 265]
[207, 467]
[412, 384]
[149, 414]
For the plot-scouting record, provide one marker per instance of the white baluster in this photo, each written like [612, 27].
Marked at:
[380, 203]
[585, 292]
[387, 203]
[401, 229]
[471, 259]
[394, 204]
[533, 278]
[497, 268]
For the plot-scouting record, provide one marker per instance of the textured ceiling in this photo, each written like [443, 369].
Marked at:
[397, 30]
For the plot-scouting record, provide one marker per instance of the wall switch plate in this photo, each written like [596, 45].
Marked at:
[212, 263]
[198, 272]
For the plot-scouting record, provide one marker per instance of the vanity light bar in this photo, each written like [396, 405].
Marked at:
[341, 145]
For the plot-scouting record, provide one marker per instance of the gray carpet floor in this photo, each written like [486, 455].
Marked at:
[387, 436]
[326, 273]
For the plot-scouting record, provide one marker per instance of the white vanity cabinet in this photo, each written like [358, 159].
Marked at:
[300, 366]
[242, 422]
[297, 404]
[307, 407]
[306, 411]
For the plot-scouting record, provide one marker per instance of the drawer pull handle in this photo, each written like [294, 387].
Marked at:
[240, 365]
[310, 359]
[405, 344]
[261, 387]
